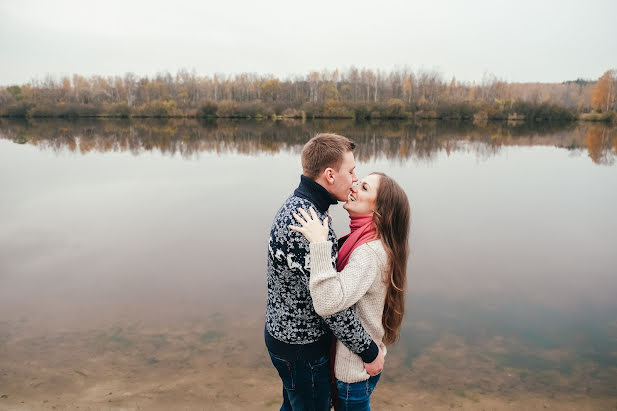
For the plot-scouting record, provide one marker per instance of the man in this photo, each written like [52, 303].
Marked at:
[298, 340]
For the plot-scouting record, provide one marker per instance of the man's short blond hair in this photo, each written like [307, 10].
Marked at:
[323, 151]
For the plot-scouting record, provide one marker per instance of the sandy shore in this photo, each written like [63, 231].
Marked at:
[219, 362]
[260, 391]
[202, 367]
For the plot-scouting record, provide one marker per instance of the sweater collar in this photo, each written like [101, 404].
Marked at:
[315, 193]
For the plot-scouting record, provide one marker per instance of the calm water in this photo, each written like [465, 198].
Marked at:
[132, 260]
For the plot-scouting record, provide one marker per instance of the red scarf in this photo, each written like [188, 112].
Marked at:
[362, 231]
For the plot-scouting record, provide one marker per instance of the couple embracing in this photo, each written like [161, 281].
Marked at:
[334, 305]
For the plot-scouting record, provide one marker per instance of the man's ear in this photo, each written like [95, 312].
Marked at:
[329, 175]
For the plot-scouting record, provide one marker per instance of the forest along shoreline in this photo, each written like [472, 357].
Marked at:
[352, 94]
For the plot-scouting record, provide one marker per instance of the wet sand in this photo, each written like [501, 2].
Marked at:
[219, 364]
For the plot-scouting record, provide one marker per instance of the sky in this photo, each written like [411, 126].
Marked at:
[516, 41]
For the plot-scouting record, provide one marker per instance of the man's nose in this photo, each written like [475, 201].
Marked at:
[354, 178]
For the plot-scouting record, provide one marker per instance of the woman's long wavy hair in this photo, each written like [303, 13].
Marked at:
[391, 218]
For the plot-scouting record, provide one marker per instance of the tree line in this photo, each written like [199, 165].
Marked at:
[355, 93]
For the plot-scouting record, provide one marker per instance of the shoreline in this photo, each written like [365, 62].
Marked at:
[274, 118]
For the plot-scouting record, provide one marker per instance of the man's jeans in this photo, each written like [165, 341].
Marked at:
[306, 384]
[356, 396]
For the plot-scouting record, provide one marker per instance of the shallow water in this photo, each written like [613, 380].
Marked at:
[132, 261]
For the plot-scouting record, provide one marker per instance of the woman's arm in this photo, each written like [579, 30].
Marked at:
[333, 292]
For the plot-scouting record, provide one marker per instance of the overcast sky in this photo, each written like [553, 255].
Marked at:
[539, 40]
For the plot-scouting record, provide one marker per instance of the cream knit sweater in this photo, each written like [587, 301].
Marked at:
[362, 282]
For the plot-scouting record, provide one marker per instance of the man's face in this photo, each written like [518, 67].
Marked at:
[344, 177]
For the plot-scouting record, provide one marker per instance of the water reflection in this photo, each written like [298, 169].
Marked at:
[391, 139]
[121, 284]
[599, 141]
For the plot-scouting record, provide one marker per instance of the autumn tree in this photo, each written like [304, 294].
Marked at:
[603, 93]
[408, 88]
[270, 89]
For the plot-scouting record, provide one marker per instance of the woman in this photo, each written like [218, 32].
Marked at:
[370, 273]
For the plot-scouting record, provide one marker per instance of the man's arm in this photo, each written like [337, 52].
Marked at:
[346, 327]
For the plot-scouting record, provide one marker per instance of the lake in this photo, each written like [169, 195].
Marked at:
[133, 253]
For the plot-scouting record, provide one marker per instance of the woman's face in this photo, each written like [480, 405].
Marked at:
[361, 200]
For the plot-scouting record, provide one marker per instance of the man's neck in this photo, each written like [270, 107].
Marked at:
[315, 192]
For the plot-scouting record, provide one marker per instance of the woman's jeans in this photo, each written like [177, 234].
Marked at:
[306, 384]
[356, 396]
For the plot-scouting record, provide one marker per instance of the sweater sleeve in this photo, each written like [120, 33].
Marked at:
[332, 292]
[348, 329]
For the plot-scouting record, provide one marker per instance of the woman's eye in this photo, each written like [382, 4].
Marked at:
[364, 188]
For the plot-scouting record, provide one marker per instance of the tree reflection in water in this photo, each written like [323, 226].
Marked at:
[394, 140]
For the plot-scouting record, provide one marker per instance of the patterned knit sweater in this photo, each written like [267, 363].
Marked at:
[361, 284]
[293, 329]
